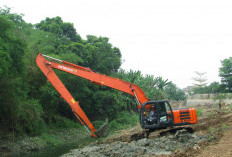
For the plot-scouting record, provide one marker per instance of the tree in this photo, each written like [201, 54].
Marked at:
[216, 87]
[104, 57]
[29, 103]
[199, 82]
[174, 93]
[225, 72]
[57, 26]
[18, 114]
[200, 79]
[154, 88]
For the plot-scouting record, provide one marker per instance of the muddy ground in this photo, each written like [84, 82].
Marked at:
[213, 127]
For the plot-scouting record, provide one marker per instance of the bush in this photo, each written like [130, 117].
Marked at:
[124, 120]
[29, 118]
[62, 122]
[199, 112]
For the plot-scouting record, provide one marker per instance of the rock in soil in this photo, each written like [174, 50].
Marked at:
[143, 147]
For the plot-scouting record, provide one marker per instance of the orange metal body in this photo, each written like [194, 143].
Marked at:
[185, 115]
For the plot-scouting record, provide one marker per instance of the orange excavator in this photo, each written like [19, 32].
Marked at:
[163, 115]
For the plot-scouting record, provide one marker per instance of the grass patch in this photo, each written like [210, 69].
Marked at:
[64, 131]
[63, 122]
[51, 140]
[224, 126]
[124, 120]
[199, 112]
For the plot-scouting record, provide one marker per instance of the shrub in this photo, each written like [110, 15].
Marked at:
[199, 112]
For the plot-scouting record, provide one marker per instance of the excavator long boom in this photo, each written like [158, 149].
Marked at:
[47, 67]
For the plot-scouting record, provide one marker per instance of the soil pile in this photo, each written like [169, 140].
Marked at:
[180, 143]
[143, 147]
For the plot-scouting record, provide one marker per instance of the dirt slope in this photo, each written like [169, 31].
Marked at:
[223, 148]
[212, 137]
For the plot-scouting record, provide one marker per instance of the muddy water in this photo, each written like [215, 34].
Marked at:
[51, 151]
[54, 151]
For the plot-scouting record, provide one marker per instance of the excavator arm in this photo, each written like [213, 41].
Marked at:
[165, 116]
[47, 67]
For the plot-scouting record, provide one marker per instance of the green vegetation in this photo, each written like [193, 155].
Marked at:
[225, 72]
[31, 106]
[124, 120]
[224, 126]
[214, 87]
[199, 112]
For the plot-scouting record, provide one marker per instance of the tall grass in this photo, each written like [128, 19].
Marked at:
[124, 120]
[199, 112]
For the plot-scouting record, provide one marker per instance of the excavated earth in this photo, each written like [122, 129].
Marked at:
[185, 141]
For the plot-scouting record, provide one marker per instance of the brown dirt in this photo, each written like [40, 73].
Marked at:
[215, 128]
[222, 148]
[202, 127]
[221, 143]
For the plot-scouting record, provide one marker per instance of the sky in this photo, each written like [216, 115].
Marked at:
[168, 38]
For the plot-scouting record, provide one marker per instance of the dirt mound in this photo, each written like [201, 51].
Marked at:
[161, 145]
[177, 143]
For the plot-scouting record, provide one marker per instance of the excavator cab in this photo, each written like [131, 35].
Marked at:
[156, 115]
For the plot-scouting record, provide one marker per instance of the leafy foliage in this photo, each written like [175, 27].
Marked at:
[29, 104]
[18, 112]
[214, 87]
[201, 87]
[61, 29]
[123, 120]
[225, 72]
[199, 81]
[174, 93]
[154, 88]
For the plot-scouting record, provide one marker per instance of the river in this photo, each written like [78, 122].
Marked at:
[55, 151]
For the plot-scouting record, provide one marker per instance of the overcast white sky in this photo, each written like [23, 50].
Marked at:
[168, 38]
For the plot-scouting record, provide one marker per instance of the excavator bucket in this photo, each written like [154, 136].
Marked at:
[103, 130]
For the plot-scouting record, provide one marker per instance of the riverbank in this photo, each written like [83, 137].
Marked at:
[57, 139]
[211, 126]
[50, 139]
